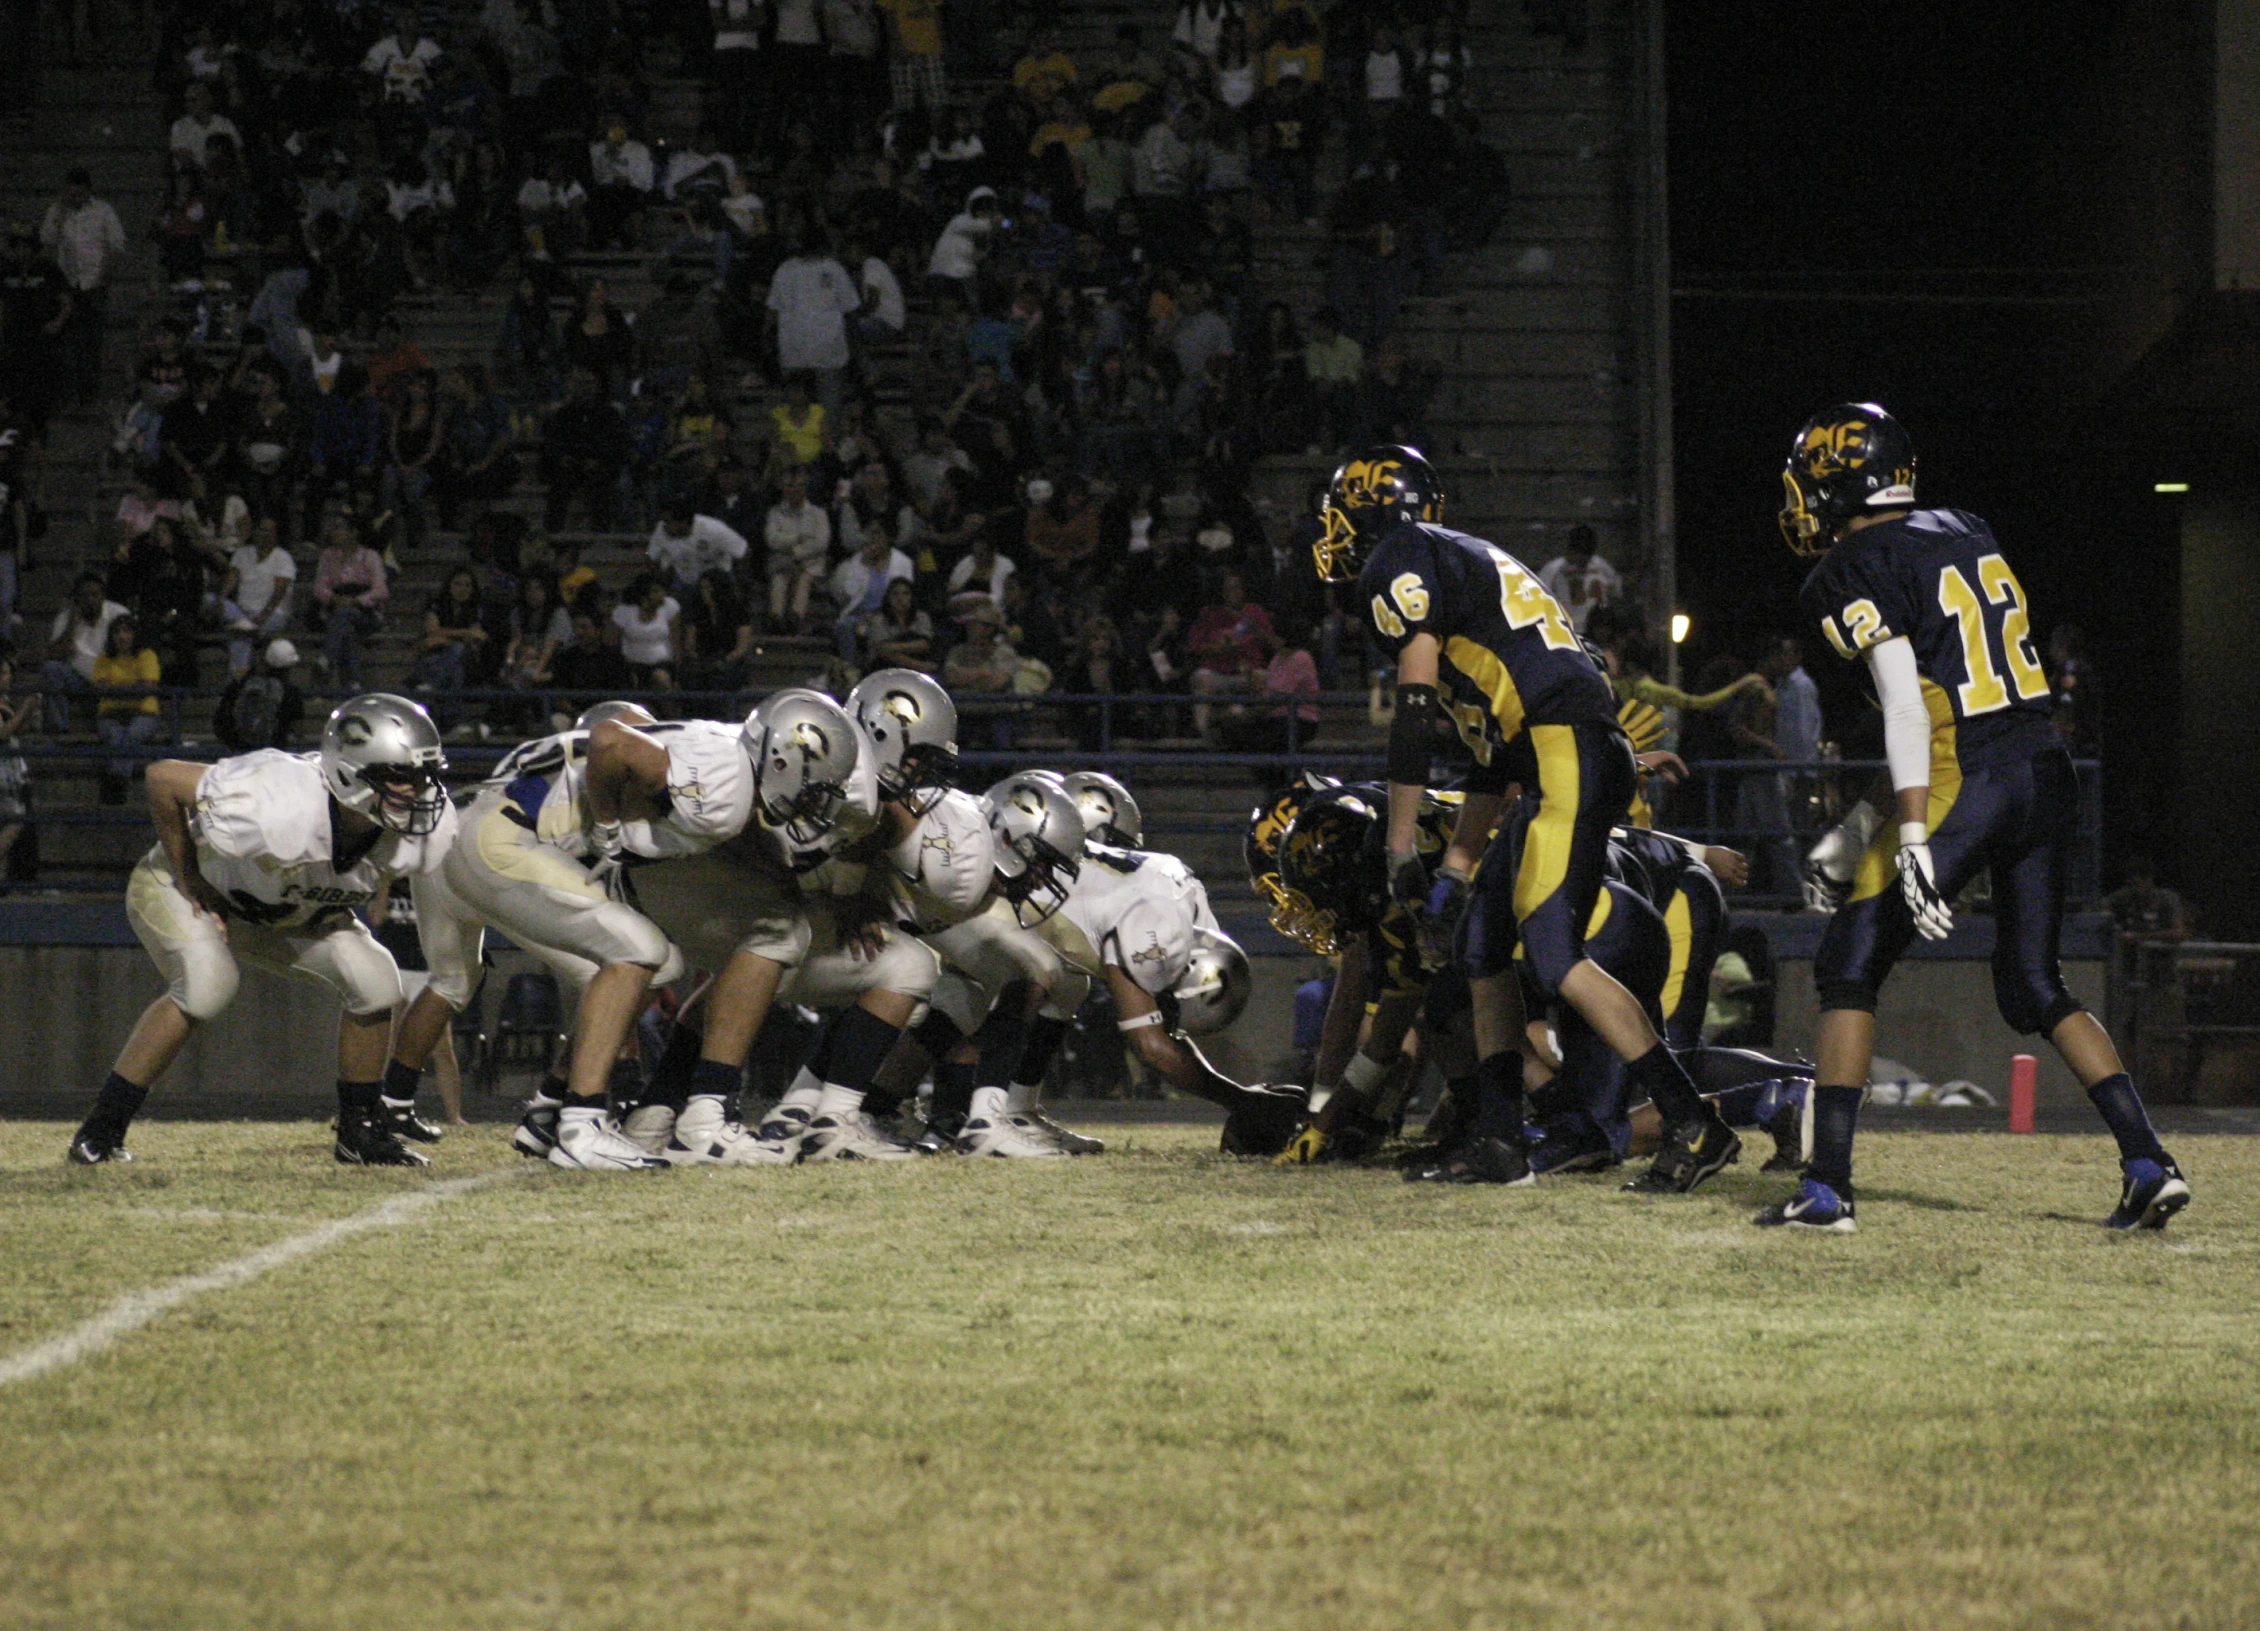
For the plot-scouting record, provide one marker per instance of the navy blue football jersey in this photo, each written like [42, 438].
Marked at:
[1938, 579]
[1653, 863]
[1508, 647]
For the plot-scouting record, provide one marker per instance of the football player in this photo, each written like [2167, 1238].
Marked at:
[1140, 924]
[1444, 602]
[1926, 600]
[261, 859]
[453, 943]
[782, 901]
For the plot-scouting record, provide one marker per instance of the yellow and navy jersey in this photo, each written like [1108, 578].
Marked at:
[1500, 631]
[1393, 944]
[1939, 580]
[1651, 863]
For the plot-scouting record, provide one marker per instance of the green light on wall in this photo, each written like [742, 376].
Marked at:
[2170, 487]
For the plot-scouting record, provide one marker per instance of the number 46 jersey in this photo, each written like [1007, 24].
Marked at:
[1938, 579]
[1498, 626]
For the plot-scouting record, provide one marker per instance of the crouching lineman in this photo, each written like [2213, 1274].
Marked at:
[784, 913]
[261, 859]
[1439, 598]
[541, 859]
[1140, 923]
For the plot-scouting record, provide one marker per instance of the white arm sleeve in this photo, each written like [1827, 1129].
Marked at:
[1906, 721]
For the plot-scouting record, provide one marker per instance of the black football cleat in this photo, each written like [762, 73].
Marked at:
[366, 1141]
[91, 1149]
[1693, 1151]
[1484, 1161]
[2154, 1192]
[403, 1122]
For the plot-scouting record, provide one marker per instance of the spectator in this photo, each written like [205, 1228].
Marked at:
[883, 314]
[1063, 531]
[983, 663]
[1097, 666]
[2079, 696]
[1294, 51]
[1796, 728]
[1229, 644]
[1334, 363]
[86, 239]
[859, 585]
[195, 438]
[537, 629]
[35, 324]
[193, 131]
[2141, 910]
[584, 451]
[982, 570]
[810, 299]
[163, 576]
[350, 590]
[621, 171]
[687, 545]
[914, 60]
[415, 438]
[1201, 25]
[125, 721]
[599, 339]
[1044, 70]
[476, 463]
[348, 438]
[1580, 580]
[1131, 77]
[799, 536]
[553, 211]
[900, 635]
[854, 69]
[952, 271]
[401, 64]
[256, 597]
[738, 70]
[270, 447]
[1632, 665]
[699, 169]
[925, 472]
[646, 618]
[717, 634]
[1761, 805]
[261, 708]
[15, 774]
[588, 666]
[79, 636]
[1289, 675]
[1365, 273]
[1387, 76]
[452, 652]
[1105, 163]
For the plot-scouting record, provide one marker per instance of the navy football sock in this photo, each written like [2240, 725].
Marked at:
[711, 1079]
[1498, 1098]
[953, 1089]
[1836, 1115]
[671, 1078]
[2121, 1108]
[1660, 1076]
[356, 1099]
[114, 1109]
[400, 1082]
[1003, 1041]
[854, 1049]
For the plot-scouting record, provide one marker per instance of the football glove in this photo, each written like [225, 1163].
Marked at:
[1408, 880]
[1831, 864]
[1308, 1149]
[1440, 918]
[607, 839]
[1918, 881]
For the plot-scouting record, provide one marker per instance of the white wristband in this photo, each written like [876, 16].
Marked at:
[1140, 1023]
[1913, 832]
[1363, 1074]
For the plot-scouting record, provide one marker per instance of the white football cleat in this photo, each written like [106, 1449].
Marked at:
[648, 1126]
[1069, 1141]
[1006, 1137]
[855, 1137]
[587, 1139]
[706, 1135]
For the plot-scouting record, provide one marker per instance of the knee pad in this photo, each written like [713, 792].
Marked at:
[367, 979]
[454, 987]
[907, 966]
[1068, 993]
[960, 999]
[205, 984]
[1855, 994]
[2031, 1003]
[630, 937]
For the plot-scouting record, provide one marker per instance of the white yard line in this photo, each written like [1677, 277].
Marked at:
[136, 1309]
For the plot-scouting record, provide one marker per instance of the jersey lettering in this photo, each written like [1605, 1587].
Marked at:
[1387, 621]
[1862, 627]
[1525, 603]
[1409, 594]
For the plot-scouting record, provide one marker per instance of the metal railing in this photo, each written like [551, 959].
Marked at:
[1771, 810]
[2180, 1006]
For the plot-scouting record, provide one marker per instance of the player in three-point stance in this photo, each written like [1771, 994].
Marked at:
[1927, 601]
[1442, 600]
[261, 859]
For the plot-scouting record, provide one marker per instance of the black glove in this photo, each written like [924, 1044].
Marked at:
[1440, 920]
[1408, 881]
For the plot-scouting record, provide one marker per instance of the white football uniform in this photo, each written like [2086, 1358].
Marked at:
[262, 829]
[946, 873]
[1127, 909]
[521, 866]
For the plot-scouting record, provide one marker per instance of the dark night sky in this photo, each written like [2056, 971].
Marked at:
[1873, 144]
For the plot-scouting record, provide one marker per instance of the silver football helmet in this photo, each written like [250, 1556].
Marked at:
[1216, 985]
[1039, 843]
[382, 757]
[912, 722]
[803, 747]
[1110, 814]
[596, 713]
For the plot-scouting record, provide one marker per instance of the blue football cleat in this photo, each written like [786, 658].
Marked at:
[2154, 1192]
[1815, 1206]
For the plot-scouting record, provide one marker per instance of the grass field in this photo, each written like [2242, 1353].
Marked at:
[1154, 1389]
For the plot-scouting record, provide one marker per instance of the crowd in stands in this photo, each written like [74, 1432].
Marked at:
[958, 357]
